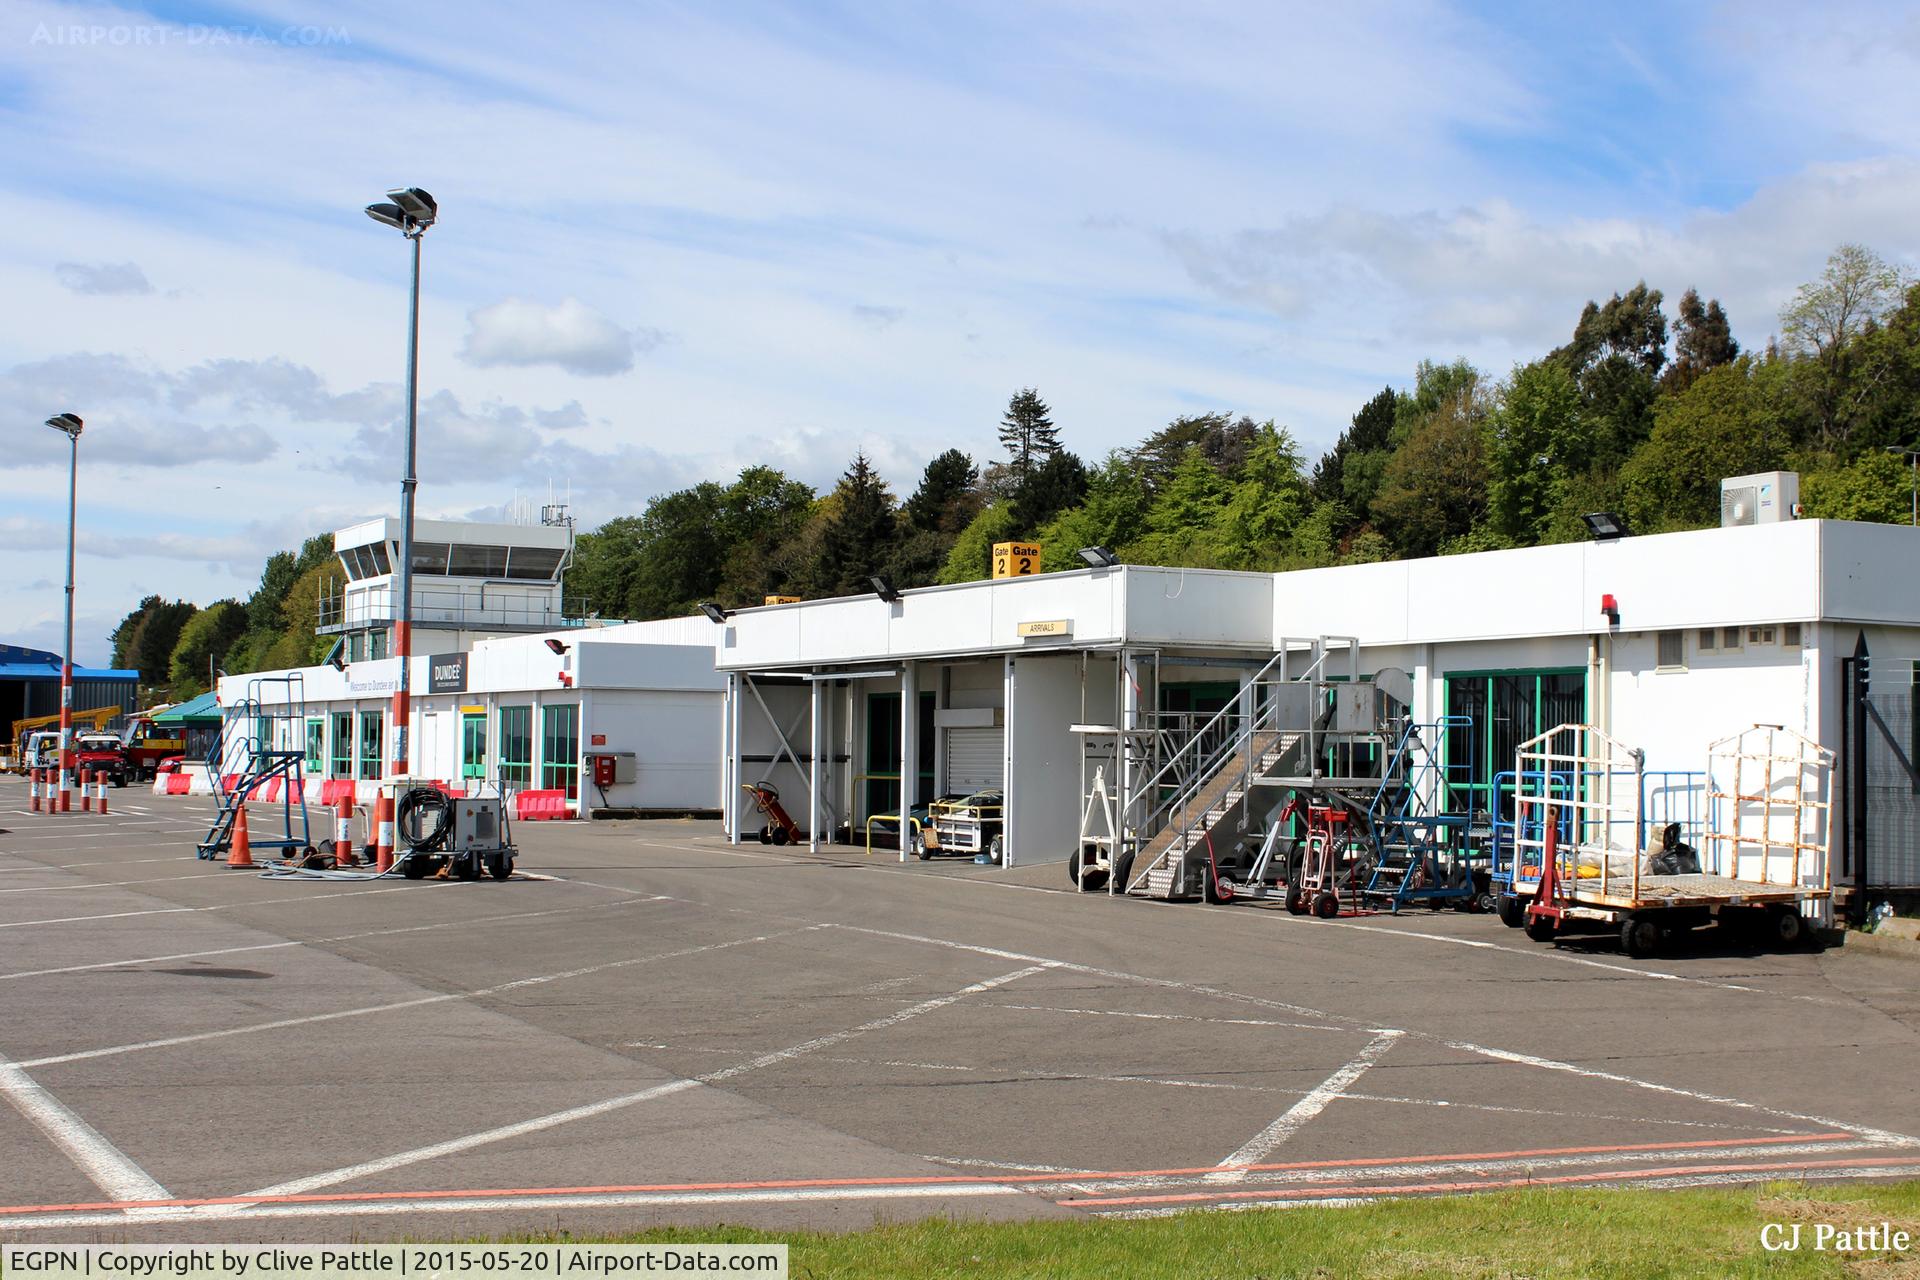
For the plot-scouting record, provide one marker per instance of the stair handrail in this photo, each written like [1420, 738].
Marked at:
[1204, 774]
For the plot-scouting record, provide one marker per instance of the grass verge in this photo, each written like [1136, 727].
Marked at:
[1631, 1234]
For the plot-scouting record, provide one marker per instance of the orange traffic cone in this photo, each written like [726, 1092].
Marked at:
[242, 855]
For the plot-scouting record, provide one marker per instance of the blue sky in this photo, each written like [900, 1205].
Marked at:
[678, 239]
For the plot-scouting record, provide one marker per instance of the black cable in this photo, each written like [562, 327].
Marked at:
[418, 803]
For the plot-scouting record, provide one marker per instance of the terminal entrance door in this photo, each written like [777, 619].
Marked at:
[882, 794]
[1505, 709]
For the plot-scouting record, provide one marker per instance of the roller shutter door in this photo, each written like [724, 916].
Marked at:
[976, 757]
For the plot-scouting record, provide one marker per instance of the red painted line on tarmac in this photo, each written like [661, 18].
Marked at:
[1319, 1191]
[937, 1180]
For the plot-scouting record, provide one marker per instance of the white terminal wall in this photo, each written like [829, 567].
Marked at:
[1102, 607]
[648, 687]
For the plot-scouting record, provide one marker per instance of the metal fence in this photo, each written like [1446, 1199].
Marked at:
[1882, 848]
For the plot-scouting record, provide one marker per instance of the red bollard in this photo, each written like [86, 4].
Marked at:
[33, 788]
[86, 791]
[343, 833]
[100, 783]
[383, 841]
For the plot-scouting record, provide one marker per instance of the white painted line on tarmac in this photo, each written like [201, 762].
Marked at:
[280, 1024]
[116, 884]
[500, 1204]
[105, 1165]
[1177, 1017]
[1880, 1137]
[224, 906]
[318, 942]
[1284, 1126]
[452, 1146]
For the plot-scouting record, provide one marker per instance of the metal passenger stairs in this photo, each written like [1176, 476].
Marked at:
[250, 725]
[1215, 811]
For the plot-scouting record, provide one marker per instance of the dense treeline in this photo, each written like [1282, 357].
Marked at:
[177, 646]
[1633, 414]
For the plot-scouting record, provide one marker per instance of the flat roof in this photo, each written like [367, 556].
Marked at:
[1795, 571]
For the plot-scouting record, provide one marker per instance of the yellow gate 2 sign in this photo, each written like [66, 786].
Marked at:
[1015, 559]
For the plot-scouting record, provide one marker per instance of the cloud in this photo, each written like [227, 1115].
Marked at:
[570, 335]
[103, 278]
[878, 317]
[1491, 268]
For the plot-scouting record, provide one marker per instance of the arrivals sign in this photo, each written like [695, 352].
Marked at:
[447, 673]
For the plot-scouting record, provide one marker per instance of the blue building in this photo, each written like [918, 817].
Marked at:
[30, 686]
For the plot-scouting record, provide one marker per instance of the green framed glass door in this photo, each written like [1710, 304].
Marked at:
[1505, 708]
[473, 744]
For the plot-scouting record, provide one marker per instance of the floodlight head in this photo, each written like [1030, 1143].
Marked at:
[391, 215]
[883, 587]
[337, 655]
[1098, 557]
[68, 422]
[556, 645]
[1605, 526]
[416, 204]
[715, 614]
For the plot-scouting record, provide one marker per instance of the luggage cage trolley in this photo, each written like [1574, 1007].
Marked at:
[1585, 844]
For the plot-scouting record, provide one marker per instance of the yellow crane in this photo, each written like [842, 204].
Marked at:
[96, 719]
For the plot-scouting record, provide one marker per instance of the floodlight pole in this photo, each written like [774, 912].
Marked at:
[409, 481]
[66, 658]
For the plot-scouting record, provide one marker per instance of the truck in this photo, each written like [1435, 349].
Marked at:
[102, 753]
[147, 744]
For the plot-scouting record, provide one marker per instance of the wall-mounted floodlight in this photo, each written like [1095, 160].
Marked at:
[883, 587]
[67, 422]
[337, 656]
[1605, 526]
[1098, 557]
[715, 614]
[557, 646]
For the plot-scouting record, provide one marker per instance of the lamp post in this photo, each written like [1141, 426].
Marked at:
[410, 211]
[70, 426]
[1912, 455]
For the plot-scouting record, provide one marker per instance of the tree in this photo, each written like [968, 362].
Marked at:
[1702, 340]
[1875, 486]
[1728, 423]
[761, 515]
[263, 606]
[1113, 515]
[1616, 355]
[1027, 433]
[127, 634]
[859, 533]
[1053, 486]
[148, 646]
[1222, 441]
[1369, 435]
[946, 499]
[972, 554]
[1267, 505]
[1436, 486]
[1825, 318]
[203, 645]
[1533, 439]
